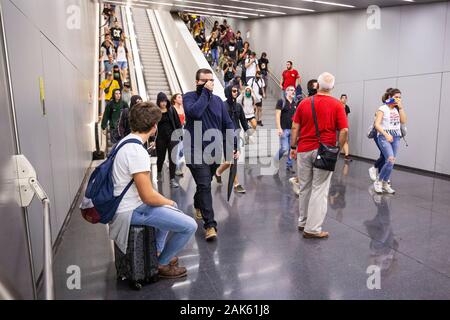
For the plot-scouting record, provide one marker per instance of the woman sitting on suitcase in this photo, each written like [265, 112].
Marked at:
[142, 205]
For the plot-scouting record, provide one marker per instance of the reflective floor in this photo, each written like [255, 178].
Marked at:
[260, 254]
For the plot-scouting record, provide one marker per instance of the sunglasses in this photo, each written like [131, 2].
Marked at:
[234, 91]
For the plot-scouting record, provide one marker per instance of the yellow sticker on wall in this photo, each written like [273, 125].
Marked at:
[42, 93]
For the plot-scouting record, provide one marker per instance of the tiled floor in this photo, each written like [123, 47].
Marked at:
[260, 254]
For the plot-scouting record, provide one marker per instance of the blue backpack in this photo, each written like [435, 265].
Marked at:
[99, 203]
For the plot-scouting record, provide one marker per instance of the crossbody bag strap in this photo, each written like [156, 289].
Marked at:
[315, 118]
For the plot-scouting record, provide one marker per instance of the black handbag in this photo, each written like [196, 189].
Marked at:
[326, 155]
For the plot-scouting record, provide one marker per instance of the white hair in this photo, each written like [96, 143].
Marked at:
[326, 81]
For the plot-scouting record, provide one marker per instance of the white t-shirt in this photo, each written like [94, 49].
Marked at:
[121, 54]
[251, 70]
[131, 158]
[390, 121]
[256, 84]
[247, 105]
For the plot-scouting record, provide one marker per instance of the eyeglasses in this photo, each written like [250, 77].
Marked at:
[234, 91]
[206, 80]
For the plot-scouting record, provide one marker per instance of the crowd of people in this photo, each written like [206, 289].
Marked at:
[306, 125]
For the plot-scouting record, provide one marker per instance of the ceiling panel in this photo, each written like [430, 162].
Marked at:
[257, 9]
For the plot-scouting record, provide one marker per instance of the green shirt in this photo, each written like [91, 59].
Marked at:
[112, 113]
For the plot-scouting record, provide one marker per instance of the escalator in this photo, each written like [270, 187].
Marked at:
[153, 69]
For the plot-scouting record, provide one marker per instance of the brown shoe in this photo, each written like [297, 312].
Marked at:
[301, 228]
[171, 272]
[211, 234]
[198, 214]
[174, 261]
[322, 235]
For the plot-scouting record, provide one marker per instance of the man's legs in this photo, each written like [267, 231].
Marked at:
[318, 202]
[287, 141]
[305, 175]
[284, 145]
[166, 219]
[202, 174]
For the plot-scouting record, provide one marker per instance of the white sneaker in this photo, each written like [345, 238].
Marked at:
[373, 173]
[378, 186]
[295, 185]
[387, 188]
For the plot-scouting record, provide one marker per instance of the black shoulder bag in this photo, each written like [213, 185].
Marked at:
[327, 155]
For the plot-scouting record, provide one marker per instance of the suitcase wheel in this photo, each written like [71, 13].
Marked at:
[135, 285]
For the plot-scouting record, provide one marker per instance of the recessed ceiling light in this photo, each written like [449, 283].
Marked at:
[273, 5]
[210, 14]
[331, 3]
[196, 7]
[251, 9]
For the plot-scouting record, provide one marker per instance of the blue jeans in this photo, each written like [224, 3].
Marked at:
[285, 145]
[389, 150]
[215, 57]
[381, 160]
[166, 219]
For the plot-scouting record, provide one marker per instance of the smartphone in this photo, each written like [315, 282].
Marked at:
[391, 101]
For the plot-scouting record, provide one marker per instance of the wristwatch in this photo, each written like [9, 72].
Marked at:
[293, 148]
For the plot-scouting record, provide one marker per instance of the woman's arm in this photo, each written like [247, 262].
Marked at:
[377, 125]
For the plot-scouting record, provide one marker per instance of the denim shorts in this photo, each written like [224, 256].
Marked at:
[122, 64]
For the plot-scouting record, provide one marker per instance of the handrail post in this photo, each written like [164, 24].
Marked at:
[49, 292]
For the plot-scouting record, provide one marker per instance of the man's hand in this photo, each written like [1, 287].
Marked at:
[293, 154]
[104, 132]
[236, 154]
[209, 85]
[280, 132]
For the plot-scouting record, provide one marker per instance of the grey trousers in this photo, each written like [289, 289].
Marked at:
[314, 188]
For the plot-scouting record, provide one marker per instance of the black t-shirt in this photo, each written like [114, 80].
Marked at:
[347, 110]
[232, 50]
[286, 113]
[228, 73]
[164, 125]
[214, 43]
[200, 40]
[116, 33]
[239, 43]
[263, 62]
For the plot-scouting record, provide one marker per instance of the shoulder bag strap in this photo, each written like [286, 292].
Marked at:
[315, 118]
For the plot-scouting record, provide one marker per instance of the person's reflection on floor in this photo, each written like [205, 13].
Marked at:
[336, 196]
[230, 252]
[383, 245]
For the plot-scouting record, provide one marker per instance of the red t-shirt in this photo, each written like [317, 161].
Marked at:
[330, 117]
[289, 78]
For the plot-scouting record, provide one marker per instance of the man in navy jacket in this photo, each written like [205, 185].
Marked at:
[210, 133]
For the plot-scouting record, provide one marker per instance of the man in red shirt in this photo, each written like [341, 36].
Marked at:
[315, 183]
[289, 77]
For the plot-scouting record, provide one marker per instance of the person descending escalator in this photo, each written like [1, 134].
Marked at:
[170, 122]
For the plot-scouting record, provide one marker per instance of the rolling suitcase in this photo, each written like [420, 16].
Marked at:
[140, 264]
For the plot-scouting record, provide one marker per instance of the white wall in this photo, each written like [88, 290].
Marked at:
[59, 144]
[410, 51]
